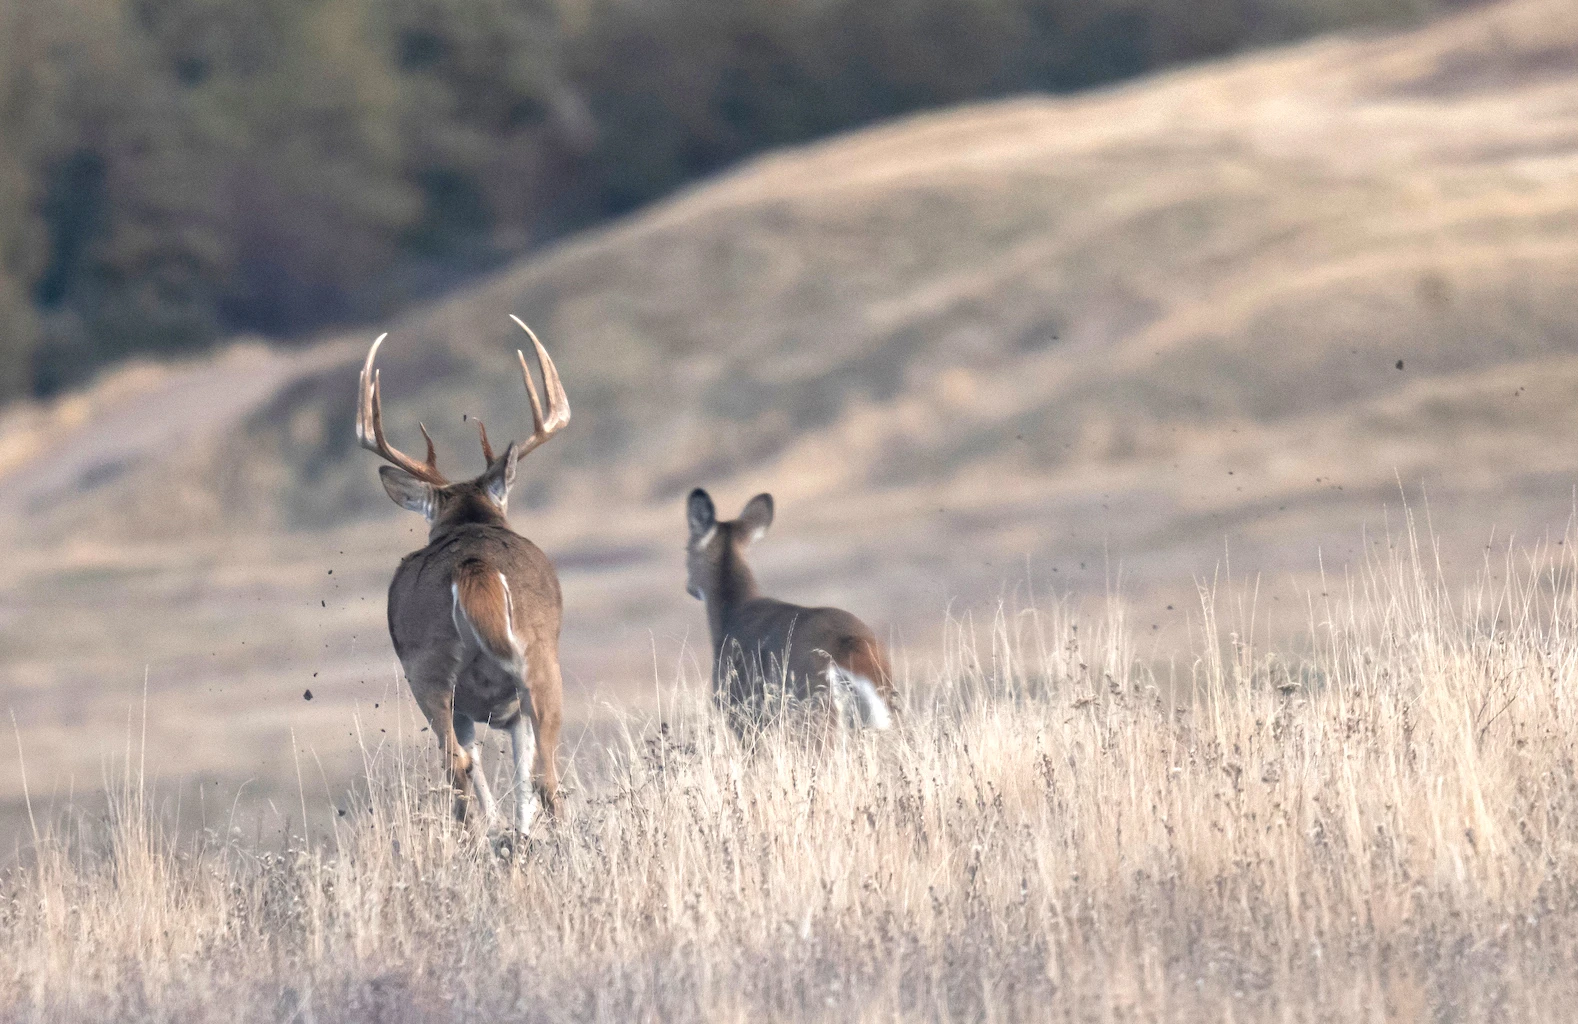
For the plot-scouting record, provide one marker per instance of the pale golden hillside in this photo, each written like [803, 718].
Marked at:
[1220, 315]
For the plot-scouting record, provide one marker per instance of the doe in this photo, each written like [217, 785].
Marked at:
[816, 654]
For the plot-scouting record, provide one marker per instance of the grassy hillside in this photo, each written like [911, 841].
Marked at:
[1212, 320]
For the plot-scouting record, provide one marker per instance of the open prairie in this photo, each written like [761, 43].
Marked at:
[1385, 828]
[1214, 325]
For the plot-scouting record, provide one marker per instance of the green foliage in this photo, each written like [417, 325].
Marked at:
[174, 170]
[19, 244]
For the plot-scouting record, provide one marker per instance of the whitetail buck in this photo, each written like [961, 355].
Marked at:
[760, 644]
[474, 615]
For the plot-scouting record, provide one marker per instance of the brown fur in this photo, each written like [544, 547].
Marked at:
[486, 606]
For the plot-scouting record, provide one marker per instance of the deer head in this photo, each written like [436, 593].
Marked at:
[419, 486]
[715, 553]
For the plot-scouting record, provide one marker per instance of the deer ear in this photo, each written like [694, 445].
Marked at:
[757, 517]
[701, 514]
[407, 491]
[500, 476]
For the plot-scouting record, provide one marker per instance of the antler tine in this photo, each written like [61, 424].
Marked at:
[370, 424]
[558, 414]
[487, 449]
[364, 393]
[432, 456]
[531, 389]
[531, 395]
[558, 401]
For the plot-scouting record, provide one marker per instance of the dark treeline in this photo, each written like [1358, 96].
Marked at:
[175, 170]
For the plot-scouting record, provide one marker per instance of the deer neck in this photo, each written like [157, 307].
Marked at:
[735, 585]
[468, 512]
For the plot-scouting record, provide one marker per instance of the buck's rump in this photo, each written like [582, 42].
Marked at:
[484, 608]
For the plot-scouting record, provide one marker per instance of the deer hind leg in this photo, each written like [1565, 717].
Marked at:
[545, 689]
[437, 701]
[466, 736]
[523, 739]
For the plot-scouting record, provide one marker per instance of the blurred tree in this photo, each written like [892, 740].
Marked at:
[110, 169]
[296, 118]
[490, 127]
[20, 246]
[175, 170]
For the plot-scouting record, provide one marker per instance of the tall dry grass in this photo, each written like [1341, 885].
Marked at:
[1378, 826]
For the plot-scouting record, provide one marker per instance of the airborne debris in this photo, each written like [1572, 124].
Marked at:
[307, 695]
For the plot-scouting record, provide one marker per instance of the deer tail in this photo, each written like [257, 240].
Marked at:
[864, 664]
[482, 609]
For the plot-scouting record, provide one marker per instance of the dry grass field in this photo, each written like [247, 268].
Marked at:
[1380, 823]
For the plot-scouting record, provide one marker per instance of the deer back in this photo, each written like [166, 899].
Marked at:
[797, 639]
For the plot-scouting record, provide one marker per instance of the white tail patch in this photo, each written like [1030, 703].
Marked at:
[873, 709]
[870, 710]
[509, 615]
[466, 627]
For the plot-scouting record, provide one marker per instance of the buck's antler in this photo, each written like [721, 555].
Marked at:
[487, 449]
[370, 425]
[558, 402]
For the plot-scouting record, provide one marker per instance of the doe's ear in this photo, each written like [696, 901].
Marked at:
[700, 513]
[407, 491]
[500, 476]
[757, 517]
